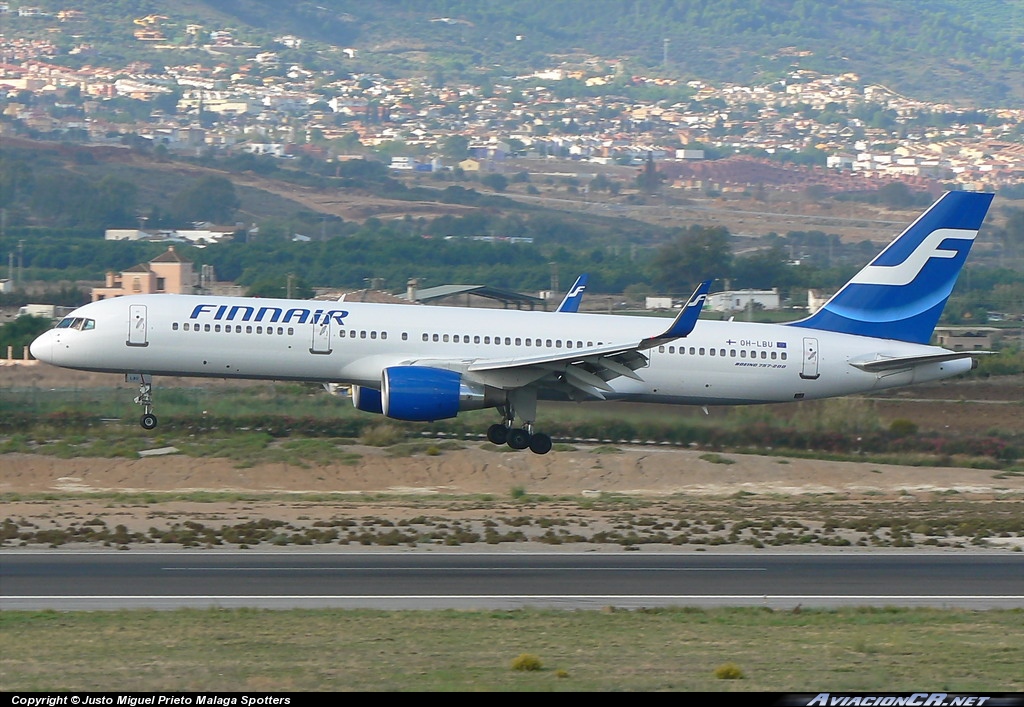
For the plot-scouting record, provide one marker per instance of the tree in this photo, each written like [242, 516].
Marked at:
[696, 253]
[495, 181]
[210, 198]
[649, 179]
[455, 148]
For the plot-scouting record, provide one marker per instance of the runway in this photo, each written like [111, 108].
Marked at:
[109, 580]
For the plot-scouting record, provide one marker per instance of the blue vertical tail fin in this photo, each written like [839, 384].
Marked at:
[571, 302]
[901, 294]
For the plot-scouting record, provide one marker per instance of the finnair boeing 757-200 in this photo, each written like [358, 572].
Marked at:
[429, 363]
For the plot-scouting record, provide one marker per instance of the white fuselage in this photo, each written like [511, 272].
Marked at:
[719, 363]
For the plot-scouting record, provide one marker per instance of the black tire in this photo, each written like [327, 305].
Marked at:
[518, 438]
[148, 421]
[497, 434]
[540, 443]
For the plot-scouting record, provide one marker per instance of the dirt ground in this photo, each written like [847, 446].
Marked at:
[381, 486]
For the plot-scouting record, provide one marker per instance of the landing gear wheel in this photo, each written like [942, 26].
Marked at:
[518, 438]
[540, 443]
[148, 421]
[497, 434]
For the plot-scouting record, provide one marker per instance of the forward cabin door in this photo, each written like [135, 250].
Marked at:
[321, 337]
[137, 326]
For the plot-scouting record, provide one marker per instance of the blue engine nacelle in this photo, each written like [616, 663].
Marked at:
[423, 394]
[366, 399]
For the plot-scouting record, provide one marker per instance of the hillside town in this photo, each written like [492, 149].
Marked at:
[833, 131]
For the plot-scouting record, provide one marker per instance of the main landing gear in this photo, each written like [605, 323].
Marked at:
[519, 437]
[145, 399]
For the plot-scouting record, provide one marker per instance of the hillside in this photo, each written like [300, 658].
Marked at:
[946, 50]
[954, 51]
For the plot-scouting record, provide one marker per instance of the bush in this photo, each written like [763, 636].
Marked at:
[382, 436]
[728, 671]
[903, 428]
[526, 661]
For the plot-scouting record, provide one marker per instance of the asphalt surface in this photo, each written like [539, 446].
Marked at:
[33, 580]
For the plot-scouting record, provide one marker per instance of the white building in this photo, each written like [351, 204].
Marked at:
[739, 300]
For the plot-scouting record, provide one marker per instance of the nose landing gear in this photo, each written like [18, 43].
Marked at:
[148, 420]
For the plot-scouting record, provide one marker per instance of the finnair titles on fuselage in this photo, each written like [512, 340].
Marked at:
[246, 313]
[428, 363]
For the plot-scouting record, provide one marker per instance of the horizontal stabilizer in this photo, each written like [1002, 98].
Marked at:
[892, 363]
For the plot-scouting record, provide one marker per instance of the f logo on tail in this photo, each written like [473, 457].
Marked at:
[906, 272]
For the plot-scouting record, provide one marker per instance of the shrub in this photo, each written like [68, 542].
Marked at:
[903, 427]
[526, 661]
[728, 671]
[382, 436]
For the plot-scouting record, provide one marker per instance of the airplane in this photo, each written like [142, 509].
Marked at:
[422, 363]
[572, 299]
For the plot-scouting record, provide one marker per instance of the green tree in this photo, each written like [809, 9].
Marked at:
[22, 331]
[696, 253]
[209, 198]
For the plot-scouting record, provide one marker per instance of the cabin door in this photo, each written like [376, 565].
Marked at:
[137, 326]
[809, 368]
[321, 337]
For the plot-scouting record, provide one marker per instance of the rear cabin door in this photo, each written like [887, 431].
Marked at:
[809, 368]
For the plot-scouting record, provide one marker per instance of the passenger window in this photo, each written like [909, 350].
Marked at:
[174, 327]
[186, 326]
[248, 329]
[455, 338]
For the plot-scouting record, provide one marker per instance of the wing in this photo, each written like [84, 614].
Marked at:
[582, 373]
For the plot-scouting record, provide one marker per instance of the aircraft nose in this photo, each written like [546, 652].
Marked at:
[42, 347]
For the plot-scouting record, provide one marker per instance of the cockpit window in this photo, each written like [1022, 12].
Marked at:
[79, 323]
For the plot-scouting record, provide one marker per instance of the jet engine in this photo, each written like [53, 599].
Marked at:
[423, 394]
[366, 399]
